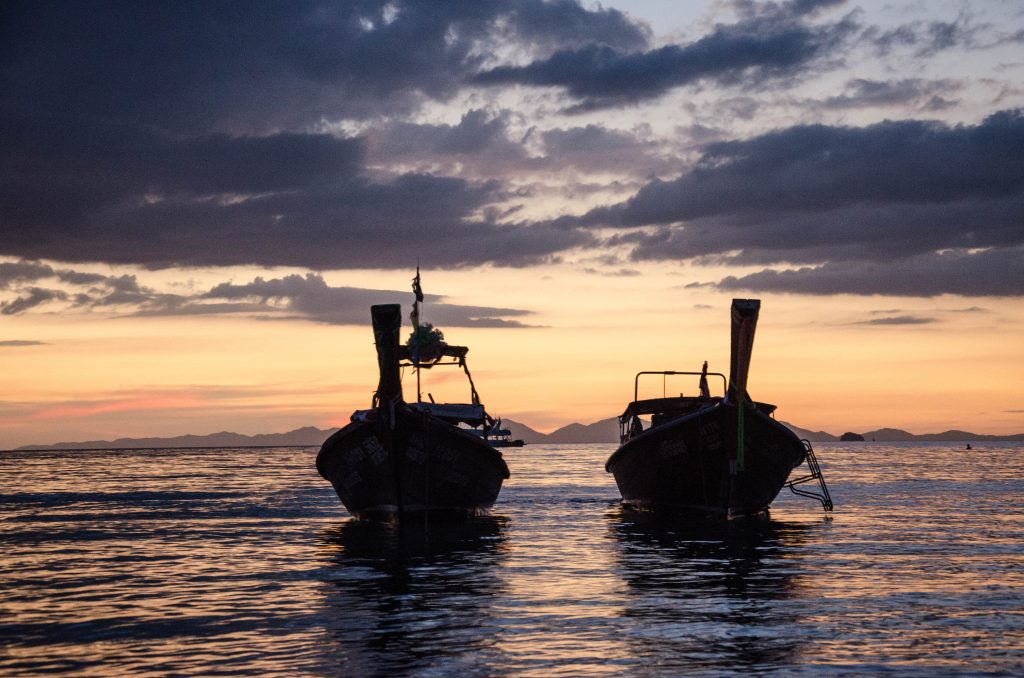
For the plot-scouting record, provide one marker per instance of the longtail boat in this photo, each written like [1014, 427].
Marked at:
[710, 455]
[399, 460]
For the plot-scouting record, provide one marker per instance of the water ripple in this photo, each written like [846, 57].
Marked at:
[213, 562]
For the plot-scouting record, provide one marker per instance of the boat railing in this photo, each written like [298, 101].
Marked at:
[667, 373]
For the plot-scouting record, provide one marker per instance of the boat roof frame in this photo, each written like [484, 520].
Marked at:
[636, 380]
[458, 359]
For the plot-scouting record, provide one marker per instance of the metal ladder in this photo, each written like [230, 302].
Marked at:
[812, 463]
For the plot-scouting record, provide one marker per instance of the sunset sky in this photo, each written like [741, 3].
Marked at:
[199, 202]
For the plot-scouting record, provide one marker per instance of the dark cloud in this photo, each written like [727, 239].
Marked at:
[927, 38]
[899, 320]
[548, 24]
[481, 138]
[196, 66]
[130, 195]
[125, 290]
[294, 296]
[816, 167]
[196, 133]
[309, 297]
[21, 342]
[922, 94]
[877, 233]
[772, 41]
[13, 272]
[996, 272]
[179, 134]
[79, 278]
[790, 9]
[814, 194]
[32, 297]
[619, 273]
[489, 143]
[101, 290]
[594, 148]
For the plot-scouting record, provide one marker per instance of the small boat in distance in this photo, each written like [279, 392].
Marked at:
[711, 456]
[399, 460]
[496, 436]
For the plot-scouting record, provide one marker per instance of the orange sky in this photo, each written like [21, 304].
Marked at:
[103, 376]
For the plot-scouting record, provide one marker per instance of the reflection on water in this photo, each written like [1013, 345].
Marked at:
[206, 562]
[708, 594]
[162, 561]
[412, 598]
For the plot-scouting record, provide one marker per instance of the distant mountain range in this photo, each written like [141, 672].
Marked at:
[300, 437]
[607, 431]
[604, 431]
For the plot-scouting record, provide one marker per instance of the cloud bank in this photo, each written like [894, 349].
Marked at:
[322, 135]
[292, 297]
[775, 43]
[878, 203]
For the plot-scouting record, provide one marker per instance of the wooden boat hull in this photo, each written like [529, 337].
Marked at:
[684, 465]
[423, 468]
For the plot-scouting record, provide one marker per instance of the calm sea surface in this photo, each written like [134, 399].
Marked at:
[212, 562]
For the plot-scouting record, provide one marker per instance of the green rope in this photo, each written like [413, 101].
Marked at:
[740, 437]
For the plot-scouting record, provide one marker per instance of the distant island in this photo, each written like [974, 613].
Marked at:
[603, 431]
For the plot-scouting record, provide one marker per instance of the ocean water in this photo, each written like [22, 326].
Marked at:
[243, 561]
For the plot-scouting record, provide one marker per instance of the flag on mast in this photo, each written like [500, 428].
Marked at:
[416, 289]
[418, 293]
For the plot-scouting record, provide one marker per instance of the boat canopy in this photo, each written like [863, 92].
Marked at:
[429, 358]
[662, 405]
[679, 405]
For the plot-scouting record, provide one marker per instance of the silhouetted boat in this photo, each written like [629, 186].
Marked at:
[496, 436]
[710, 455]
[413, 460]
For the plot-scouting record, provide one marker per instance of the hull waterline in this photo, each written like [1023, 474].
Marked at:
[422, 469]
[686, 465]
